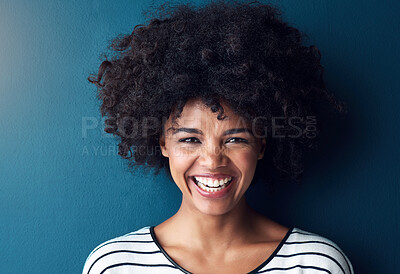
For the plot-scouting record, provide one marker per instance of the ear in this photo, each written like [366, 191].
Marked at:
[164, 150]
[262, 148]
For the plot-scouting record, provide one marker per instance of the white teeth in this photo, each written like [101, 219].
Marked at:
[222, 182]
[211, 185]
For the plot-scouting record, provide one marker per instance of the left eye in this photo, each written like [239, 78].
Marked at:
[236, 140]
[189, 140]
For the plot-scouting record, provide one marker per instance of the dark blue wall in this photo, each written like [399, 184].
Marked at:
[64, 189]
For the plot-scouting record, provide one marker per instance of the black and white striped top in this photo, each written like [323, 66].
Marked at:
[140, 252]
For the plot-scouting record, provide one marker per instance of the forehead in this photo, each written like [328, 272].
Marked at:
[196, 114]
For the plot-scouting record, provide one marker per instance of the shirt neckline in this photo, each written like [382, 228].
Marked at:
[153, 236]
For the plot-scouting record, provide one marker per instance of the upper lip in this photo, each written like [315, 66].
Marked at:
[214, 176]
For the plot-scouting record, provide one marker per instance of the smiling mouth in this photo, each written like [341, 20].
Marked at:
[211, 185]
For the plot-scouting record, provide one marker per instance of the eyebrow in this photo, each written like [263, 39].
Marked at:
[197, 131]
[237, 130]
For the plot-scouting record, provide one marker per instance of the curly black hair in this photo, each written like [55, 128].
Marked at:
[243, 53]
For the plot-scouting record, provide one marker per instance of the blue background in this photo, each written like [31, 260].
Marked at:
[64, 189]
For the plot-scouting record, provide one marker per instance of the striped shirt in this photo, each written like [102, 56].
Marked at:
[140, 252]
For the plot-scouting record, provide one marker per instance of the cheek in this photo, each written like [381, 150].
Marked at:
[246, 161]
[180, 163]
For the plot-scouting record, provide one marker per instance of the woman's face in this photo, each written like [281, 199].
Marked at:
[212, 161]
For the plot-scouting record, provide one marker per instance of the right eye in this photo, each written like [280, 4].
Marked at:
[189, 140]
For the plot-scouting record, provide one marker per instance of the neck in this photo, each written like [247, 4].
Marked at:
[211, 232]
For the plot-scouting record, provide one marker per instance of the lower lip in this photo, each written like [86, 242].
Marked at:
[216, 194]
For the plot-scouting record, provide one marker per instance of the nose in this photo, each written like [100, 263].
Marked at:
[212, 157]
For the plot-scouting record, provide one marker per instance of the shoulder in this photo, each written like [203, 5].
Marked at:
[310, 250]
[133, 249]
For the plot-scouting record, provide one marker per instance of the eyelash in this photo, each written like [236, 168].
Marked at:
[184, 140]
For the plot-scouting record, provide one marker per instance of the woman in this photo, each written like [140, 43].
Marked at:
[198, 92]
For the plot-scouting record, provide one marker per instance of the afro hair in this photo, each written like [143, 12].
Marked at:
[243, 53]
